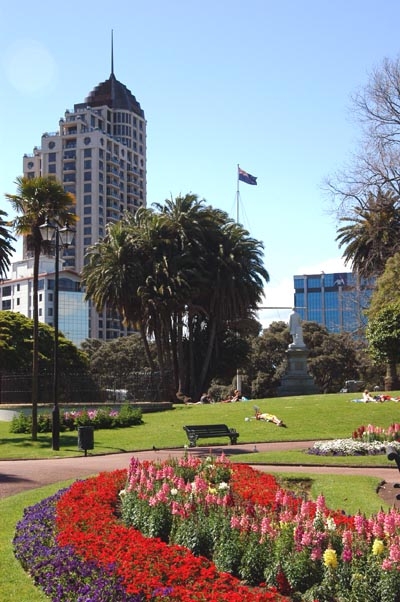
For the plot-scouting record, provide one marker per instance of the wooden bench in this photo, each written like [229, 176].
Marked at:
[208, 431]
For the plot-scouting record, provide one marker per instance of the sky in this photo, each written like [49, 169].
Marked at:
[262, 84]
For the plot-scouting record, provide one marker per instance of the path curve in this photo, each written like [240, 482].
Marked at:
[22, 475]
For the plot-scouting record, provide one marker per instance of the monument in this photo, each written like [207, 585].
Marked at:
[296, 380]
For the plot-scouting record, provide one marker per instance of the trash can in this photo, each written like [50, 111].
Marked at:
[85, 438]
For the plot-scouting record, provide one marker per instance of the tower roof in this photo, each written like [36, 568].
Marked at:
[115, 95]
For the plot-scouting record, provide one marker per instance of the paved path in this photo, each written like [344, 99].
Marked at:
[22, 475]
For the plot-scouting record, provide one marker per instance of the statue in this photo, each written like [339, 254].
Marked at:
[296, 330]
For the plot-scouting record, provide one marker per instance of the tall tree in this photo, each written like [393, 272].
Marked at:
[6, 250]
[375, 165]
[387, 289]
[186, 273]
[37, 199]
[115, 269]
[236, 277]
[372, 234]
[383, 334]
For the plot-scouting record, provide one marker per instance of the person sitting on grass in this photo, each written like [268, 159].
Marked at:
[235, 396]
[367, 397]
[268, 417]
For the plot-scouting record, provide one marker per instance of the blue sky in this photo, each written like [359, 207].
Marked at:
[259, 83]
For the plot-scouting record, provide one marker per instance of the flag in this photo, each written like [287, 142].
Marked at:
[246, 177]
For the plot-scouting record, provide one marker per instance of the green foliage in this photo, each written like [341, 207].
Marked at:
[21, 424]
[387, 286]
[6, 248]
[16, 347]
[103, 418]
[333, 358]
[383, 333]
[181, 263]
[120, 357]
[371, 234]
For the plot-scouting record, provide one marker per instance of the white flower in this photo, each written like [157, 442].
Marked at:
[330, 524]
[349, 447]
[174, 491]
[222, 486]
[122, 493]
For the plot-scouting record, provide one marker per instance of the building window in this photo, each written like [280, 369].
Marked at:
[50, 311]
[88, 151]
[52, 168]
[52, 157]
[87, 210]
[87, 188]
[87, 164]
[18, 301]
[87, 176]
[50, 297]
[87, 199]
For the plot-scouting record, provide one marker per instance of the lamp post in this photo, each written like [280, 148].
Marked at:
[62, 238]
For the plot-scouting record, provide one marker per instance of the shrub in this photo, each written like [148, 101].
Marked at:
[102, 418]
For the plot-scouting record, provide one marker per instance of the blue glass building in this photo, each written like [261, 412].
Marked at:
[337, 301]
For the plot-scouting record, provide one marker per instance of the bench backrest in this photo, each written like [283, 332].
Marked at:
[207, 428]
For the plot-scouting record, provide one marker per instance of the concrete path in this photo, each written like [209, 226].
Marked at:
[21, 475]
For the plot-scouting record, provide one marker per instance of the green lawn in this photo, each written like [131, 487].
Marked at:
[308, 418]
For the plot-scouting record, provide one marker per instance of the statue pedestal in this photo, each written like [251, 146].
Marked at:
[296, 380]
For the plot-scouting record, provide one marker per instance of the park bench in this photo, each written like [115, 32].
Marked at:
[208, 431]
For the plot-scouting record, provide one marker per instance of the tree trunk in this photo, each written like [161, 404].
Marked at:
[207, 359]
[146, 346]
[391, 378]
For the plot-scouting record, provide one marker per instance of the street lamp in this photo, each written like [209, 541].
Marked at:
[62, 238]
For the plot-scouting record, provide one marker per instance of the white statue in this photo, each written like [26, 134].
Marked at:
[296, 330]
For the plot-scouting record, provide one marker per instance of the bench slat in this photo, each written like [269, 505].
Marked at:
[204, 431]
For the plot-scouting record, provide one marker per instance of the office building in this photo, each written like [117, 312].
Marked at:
[337, 301]
[98, 153]
[16, 295]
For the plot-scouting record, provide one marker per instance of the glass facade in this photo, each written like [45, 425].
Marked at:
[337, 301]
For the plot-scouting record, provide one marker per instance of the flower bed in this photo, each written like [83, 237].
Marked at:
[306, 551]
[366, 440]
[103, 418]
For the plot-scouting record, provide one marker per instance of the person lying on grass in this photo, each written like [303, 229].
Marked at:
[268, 417]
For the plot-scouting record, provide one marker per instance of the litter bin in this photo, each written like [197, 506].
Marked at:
[85, 438]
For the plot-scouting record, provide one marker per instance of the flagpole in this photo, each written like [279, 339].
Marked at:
[237, 196]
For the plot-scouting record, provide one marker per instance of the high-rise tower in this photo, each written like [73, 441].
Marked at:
[98, 154]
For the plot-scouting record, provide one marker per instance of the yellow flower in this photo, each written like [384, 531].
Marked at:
[330, 558]
[378, 547]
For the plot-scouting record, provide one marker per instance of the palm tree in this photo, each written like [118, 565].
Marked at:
[115, 269]
[6, 250]
[235, 285]
[36, 200]
[181, 274]
[372, 234]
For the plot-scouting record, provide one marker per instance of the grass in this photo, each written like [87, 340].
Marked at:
[348, 493]
[15, 584]
[308, 418]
